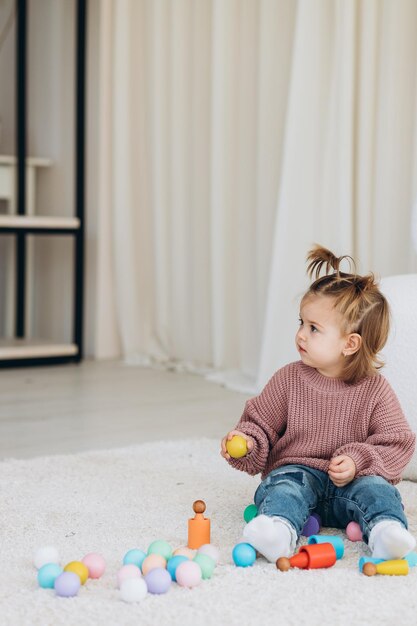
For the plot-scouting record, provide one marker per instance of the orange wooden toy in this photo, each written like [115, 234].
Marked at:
[311, 556]
[198, 527]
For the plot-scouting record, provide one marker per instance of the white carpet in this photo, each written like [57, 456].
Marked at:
[112, 501]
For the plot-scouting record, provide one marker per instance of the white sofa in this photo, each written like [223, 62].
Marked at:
[400, 353]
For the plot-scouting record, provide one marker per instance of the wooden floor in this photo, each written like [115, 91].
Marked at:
[70, 408]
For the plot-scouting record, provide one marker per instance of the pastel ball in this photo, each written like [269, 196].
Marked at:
[134, 557]
[44, 555]
[127, 572]
[95, 564]
[250, 512]
[311, 527]
[211, 551]
[77, 567]
[160, 547]
[47, 575]
[67, 584]
[411, 559]
[189, 574]
[354, 532]
[133, 590]
[184, 551]
[244, 555]
[237, 447]
[173, 564]
[206, 563]
[158, 580]
[151, 562]
[318, 518]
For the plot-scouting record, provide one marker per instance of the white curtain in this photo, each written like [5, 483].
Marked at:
[231, 136]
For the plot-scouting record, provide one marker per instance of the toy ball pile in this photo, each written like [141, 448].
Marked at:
[142, 572]
[67, 580]
[155, 570]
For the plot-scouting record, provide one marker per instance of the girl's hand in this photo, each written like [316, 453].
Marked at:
[342, 470]
[228, 437]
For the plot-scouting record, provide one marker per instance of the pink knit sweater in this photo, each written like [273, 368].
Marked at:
[305, 418]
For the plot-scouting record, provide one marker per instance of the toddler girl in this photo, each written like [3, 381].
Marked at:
[327, 432]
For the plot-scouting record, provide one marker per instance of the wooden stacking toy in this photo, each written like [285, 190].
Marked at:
[198, 527]
[336, 542]
[312, 556]
[411, 559]
[396, 567]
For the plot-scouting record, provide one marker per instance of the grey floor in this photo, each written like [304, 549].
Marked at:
[95, 405]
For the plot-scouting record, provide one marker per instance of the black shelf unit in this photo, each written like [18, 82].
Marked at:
[21, 352]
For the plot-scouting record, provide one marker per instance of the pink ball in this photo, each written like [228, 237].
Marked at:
[95, 564]
[188, 574]
[128, 571]
[353, 531]
[152, 561]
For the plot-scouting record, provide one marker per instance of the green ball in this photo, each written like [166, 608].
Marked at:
[206, 563]
[160, 547]
[250, 512]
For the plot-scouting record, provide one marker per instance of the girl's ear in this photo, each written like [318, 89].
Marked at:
[352, 345]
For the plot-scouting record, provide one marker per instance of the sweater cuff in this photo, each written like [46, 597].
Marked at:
[251, 463]
[361, 460]
[255, 460]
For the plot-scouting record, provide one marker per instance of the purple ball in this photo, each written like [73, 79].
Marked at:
[318, 518]
[158, 580]
[311, 527]
[67, 584]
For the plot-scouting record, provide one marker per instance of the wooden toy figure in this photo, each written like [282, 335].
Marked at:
[396, 567]
[311, 556]
[198, 527]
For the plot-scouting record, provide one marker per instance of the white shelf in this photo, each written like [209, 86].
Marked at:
[37, 221]
[34, 348]
[8, 159]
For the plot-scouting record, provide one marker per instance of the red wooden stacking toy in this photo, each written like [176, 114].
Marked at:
[312, 556]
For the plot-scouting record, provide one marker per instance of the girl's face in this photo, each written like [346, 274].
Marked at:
[320, 340]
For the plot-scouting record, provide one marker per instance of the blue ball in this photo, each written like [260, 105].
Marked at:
[244, 555]
[134, 557]
[173, 564]
[47, 574]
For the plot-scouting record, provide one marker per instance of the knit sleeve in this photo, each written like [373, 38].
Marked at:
[390, 443]
[264, 420]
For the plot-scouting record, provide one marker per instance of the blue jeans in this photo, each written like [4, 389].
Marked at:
[295, 491]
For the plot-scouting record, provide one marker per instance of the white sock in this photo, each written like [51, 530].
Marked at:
[390, 540]
[273, 537]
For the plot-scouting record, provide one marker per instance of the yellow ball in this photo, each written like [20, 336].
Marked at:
[78, 568]
[237, 447]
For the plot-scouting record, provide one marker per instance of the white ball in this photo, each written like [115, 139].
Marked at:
[209, 550]
[44, 555]
[133, 590]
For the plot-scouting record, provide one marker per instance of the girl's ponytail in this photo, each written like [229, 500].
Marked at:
[365, 283]
[318, 257]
